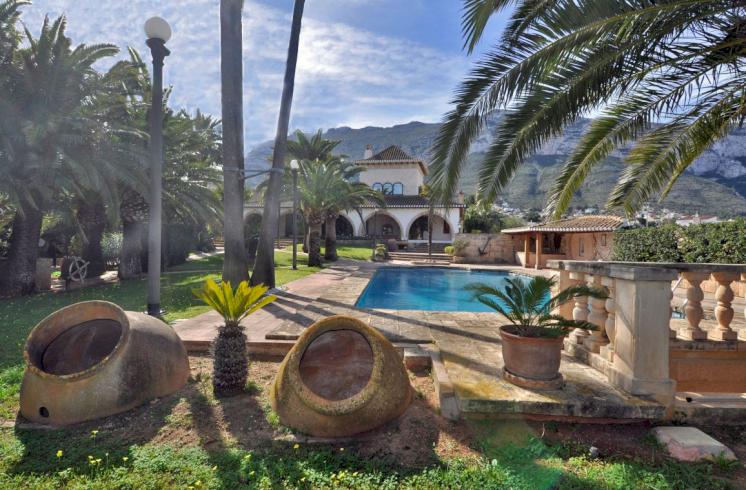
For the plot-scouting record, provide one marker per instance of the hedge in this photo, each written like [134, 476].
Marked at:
[723, 243]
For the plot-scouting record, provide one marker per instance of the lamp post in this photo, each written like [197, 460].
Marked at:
[158, 32]
[294, 169]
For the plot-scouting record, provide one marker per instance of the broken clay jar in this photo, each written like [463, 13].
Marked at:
[93, 359]
[341, 378]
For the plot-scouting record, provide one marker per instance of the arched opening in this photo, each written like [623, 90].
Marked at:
[344, 228]
[419, 229]
[286, 225]
[382, 226]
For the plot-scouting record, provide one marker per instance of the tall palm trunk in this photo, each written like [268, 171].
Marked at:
[264, 266]
[133, 211]
[91, 216]
[19, 272]
[314, 242]
[330, 242]
[236, 263]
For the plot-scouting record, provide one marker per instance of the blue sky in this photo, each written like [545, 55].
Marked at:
[361, 62]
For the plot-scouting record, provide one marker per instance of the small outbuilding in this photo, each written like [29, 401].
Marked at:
[577, 238]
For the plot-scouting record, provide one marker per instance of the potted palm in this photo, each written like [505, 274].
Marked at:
[532, 342]
[231, 362]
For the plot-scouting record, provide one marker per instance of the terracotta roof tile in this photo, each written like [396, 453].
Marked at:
[577, 224]
[392, 154]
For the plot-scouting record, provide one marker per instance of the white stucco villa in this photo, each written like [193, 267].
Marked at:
[400, 178]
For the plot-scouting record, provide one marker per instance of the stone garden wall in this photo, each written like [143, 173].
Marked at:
[483, 248]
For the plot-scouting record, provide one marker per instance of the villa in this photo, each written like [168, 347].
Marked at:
[403, 222]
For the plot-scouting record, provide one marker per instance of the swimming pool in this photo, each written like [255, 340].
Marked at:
[427, 288]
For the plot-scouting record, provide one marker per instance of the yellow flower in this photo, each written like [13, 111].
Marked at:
[215, 468]
[59, 453]
[296, 446]
[125, 458]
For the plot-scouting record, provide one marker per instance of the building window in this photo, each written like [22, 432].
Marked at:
[388, 189]
[377, 187]
[581, 247]
[603, 240]
[398, 189]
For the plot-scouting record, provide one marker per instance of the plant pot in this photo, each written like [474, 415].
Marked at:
[531, 362]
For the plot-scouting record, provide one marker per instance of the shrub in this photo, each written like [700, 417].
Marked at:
[478, 219]
[723, 243]
[459, 247]
[654, 244]
[380, 252]
[448, 249]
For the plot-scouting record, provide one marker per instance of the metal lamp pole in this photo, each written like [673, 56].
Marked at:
[158, 32]
[294, 170]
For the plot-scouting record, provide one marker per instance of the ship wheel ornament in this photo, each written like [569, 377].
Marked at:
[78, 270]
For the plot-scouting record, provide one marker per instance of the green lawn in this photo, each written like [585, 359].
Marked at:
[345, 252]
[18, 316]
[29, 459]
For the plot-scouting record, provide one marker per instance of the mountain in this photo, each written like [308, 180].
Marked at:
[714, 185]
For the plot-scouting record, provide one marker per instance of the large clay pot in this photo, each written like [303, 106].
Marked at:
[531, 362]
[93, 359]
[341, 378]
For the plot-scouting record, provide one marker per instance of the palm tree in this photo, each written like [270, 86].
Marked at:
[48, 144]
[325, 191]
[236, 263]
[264, 267]
[311, 149]
[668, 74]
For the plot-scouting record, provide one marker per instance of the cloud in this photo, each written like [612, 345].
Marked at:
[345, 76]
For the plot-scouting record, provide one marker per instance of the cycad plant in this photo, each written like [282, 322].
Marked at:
[230, 362]
[529, 306]
[666, 74]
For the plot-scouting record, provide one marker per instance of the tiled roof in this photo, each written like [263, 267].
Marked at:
[392, 154]
[577, 224]
[399, 201]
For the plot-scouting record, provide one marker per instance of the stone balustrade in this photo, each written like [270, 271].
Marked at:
[630, 344]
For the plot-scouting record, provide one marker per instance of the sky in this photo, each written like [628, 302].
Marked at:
[361, 62]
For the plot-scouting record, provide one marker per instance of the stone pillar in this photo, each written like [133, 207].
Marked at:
[526, 248]
[580, 311]
[742, 332]
[641, 340]
[693, 309]
[538, 250]
[607, 351]
[597, 317]
[723, 310]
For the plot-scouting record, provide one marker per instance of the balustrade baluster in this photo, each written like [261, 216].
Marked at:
[580, 311]
[607, 351]
[597, 317]
[693, 308]
[724, 310]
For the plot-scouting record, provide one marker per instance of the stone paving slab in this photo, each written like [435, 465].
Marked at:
[691, 444]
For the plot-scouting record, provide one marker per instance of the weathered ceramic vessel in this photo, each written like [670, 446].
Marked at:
[531, 362]
[93, 359]
[341, 378]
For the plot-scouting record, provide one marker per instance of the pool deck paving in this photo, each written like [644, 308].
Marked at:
[464, 349]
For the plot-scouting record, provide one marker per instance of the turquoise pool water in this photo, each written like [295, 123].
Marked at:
[427, 288]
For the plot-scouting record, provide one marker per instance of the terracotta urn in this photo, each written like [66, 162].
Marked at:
[531, 362]
[93, 359]
[341, 378]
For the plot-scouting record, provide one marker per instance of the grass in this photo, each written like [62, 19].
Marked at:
[29, 459]
[344, 252]
[19, 315]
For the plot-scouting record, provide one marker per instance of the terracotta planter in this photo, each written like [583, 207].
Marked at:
[531, 362]
[341, 378]
[93, 359]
